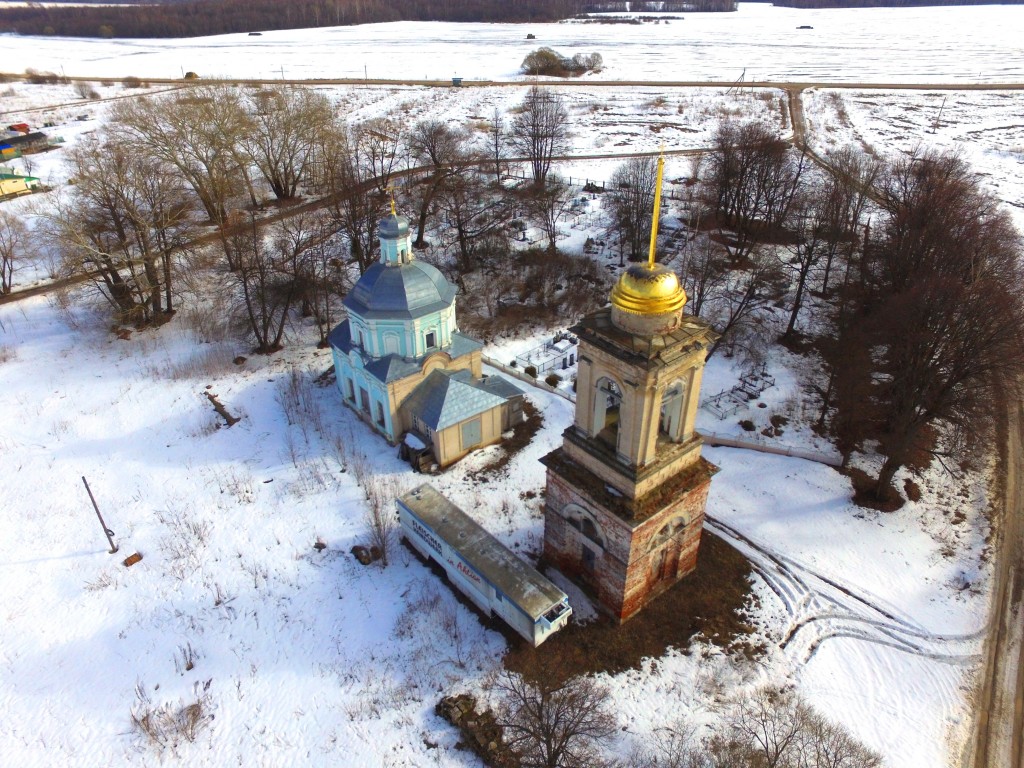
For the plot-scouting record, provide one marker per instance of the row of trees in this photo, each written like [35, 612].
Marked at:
[902, 274]
[212, 155]
[195, 18]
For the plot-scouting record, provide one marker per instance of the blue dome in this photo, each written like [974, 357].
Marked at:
[401, 291]
[393, 227]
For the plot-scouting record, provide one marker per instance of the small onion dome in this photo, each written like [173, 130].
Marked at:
[392, 227]
[644, 290]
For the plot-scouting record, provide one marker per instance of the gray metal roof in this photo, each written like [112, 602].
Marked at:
[399, 291]
[512, 575]
[502, 387]
[392, 227]
[445, 398]
[394, 367]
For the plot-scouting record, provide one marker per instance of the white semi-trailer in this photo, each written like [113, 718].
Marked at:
[493, 577]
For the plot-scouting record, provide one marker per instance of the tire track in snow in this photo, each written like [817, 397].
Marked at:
[823, 608]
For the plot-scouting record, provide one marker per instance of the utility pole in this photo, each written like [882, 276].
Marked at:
[107, 532]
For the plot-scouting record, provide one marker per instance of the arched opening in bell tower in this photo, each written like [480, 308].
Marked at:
[670, 425]
[607, 404]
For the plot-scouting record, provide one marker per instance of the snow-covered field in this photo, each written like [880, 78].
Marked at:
[303, 656]
[966, 44]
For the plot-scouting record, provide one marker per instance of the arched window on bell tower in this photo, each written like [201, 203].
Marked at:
[607, 404]
[673, 404]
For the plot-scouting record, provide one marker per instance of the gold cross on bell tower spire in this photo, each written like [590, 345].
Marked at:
[657, 208]
[390, 189]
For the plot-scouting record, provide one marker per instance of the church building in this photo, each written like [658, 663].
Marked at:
[626, 491]
[402, 364]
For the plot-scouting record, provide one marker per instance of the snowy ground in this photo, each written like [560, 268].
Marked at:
[302, 655]
[305, 656]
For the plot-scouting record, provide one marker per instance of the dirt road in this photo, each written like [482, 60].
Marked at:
[997, 741]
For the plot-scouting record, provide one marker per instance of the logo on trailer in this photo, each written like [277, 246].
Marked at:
[424, 534]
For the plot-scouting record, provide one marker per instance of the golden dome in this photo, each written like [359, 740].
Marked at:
[644, 290]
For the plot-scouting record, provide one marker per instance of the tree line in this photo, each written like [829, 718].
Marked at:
[196, 18]
[900, 274]
[221, 170]
[552, 722]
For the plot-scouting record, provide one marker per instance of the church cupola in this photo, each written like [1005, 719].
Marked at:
[395, 241]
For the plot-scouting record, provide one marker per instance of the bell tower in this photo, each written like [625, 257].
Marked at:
[626, 492]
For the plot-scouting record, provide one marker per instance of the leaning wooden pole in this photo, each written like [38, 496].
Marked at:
[106, 531]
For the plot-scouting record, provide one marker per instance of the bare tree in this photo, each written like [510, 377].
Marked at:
[852, 178]
[284, 133]
[381, 516]
[126, 217]
[441, 147]
[14, 242]
[199, 132]
[769, 728]
[751, 181]
[378, 144]
[473, 212]
[704, 272]
[547, 205]
[268, 273]
[769, 724]
[325, 279]
[540, 130]
[497, 141]
[555, 724]
[354, 203]
[737, 311]
[631, 204]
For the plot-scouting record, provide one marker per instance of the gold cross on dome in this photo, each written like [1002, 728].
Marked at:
[390, 189]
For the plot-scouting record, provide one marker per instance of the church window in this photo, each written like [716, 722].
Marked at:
[380, 415]
[350, 391]
[589, 558]
[391, 344]
[431, 339]
[364, 399]
[673, 529]
[582, 522]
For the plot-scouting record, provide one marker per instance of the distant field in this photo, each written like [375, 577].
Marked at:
[899, 45]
